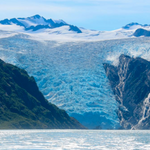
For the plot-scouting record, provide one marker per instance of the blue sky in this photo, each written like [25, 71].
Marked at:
[91, 14]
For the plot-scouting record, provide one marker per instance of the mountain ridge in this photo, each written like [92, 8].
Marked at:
[40, 28]
[37, 22]
[128, 26]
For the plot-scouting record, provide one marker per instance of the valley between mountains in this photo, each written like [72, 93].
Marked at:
[101, 78]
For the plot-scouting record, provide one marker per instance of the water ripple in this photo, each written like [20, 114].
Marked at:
[74, 140]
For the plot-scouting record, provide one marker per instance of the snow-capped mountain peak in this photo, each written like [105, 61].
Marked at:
[135, 25]
[35, 17]
[59, 21]
[48, 29]
[128, 26]
[34, 23]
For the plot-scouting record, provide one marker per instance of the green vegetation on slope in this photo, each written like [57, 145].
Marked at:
[22, 105]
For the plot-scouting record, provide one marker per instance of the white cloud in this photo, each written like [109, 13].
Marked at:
[11, 27]
[36, 7]
[79, 7]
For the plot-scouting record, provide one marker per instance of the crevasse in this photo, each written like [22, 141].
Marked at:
[71, 75]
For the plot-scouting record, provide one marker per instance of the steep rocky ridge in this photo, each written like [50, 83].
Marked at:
[130, 82]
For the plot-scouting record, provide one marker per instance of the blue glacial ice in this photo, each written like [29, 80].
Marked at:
[71, 74]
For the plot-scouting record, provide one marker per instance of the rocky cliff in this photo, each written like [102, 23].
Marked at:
[130, 82]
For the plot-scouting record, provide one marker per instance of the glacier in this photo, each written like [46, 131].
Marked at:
[71, 74]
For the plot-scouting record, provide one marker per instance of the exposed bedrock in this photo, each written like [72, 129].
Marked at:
[130, 82]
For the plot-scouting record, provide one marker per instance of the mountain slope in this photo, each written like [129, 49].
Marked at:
[141, 32]
[130, 82]
[22, 105]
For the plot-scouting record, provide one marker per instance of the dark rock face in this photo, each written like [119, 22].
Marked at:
[141, 32]
[22, 105]
[75, 28]
[38, 27]
[13, 20]
[130, 82]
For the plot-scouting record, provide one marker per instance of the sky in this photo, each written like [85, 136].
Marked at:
[102, 15]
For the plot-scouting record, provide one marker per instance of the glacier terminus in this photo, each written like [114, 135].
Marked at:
[67, 63]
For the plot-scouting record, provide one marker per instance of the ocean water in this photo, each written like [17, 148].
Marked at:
[74, 140]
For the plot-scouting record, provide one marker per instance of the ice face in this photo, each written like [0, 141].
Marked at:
[71, 75]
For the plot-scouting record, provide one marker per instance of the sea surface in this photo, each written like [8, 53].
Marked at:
[74, 139]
